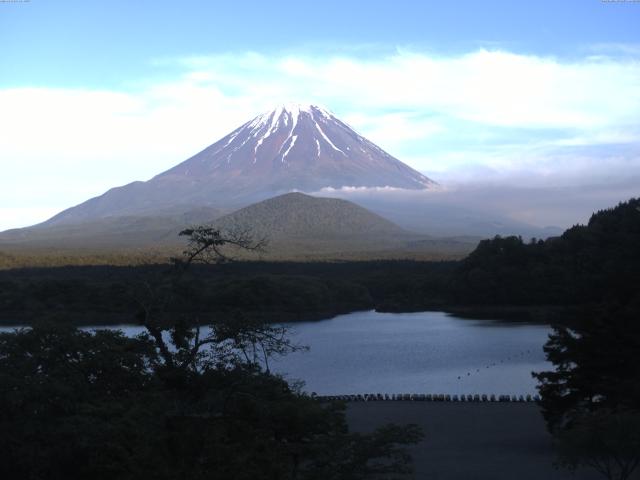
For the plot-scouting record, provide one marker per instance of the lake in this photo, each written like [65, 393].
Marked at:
[425, 352]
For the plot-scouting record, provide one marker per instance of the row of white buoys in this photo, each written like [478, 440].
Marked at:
[426, 397]
[517, 355]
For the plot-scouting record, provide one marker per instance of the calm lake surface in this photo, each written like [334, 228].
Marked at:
[425, 352]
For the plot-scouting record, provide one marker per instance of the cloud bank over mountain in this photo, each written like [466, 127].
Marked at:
[538, 204]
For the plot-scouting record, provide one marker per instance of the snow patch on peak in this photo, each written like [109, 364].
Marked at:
[293, 142]
[286, 113]
[295, 109]
[327, 139]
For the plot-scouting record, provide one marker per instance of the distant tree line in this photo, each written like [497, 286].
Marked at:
[278, 291]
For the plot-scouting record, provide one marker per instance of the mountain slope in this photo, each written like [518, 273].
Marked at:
[295, 215]
[434, 215]
[108, 233]
[302, 227]
[297, 227]
[293, 147]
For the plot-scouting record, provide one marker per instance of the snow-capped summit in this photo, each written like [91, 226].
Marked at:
[294, 147]
[291, 112]
[303, 147]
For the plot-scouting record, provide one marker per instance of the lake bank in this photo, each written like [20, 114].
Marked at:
[531, 314]
[479, 441]
[269, 291]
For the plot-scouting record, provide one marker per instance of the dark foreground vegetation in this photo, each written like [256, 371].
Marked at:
[78, 405]
[591, 401]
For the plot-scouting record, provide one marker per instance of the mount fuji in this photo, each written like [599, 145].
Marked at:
[291, 148]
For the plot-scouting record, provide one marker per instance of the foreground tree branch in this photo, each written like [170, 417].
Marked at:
[208, 244]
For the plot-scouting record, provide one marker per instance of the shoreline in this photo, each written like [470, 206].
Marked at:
[429, 397]
[531, 314]
[471, 440]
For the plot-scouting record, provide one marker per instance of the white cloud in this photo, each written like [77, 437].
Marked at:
[425, 109]
[24, 216]
[537, 203]
[394, 129]
[488, 87]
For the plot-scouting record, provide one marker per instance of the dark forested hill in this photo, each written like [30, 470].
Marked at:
[295, 215]
[596, 262]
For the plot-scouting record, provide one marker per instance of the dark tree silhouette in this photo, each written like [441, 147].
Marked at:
[596, 365]
[607, 441]
[208, 244]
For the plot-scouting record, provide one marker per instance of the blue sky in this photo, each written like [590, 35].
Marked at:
[114, 44]
[98, 94]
